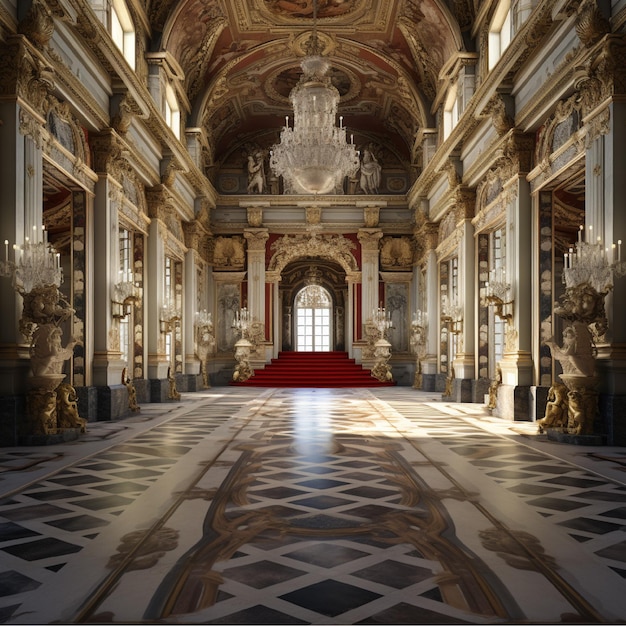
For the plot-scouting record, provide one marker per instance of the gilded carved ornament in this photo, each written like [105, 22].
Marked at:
[169, 169]
[194, 233]
[500, 118]
[38, 24]
[396, 253]
[31, 127]
[108, 151]
[229, 253]
[161, 205]
[591, 25]
[333, 247]
[313, 215]
[124, 109]
[371, 216]
[32, 78]
[255, 216]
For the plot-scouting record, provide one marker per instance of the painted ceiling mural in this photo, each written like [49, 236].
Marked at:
[240, 59]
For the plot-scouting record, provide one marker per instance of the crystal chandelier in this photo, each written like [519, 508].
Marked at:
[36, 264]
[590, 262]
[314, 156]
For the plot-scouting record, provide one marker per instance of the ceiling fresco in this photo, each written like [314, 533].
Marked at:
[240, 59]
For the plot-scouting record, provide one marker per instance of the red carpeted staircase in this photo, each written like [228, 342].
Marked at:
[313, 369]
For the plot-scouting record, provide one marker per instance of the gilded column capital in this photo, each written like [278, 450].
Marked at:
[256, 238]
[465, 200]
[369, 239]
[108, 153]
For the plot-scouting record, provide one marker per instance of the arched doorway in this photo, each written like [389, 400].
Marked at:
[313, 316]
[314, 296]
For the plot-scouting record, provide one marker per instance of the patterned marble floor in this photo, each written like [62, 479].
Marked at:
[312, 506]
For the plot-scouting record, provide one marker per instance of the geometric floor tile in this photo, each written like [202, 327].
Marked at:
[330, 597]
[237, 506]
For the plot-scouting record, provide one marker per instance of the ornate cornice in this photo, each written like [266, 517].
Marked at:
[537, 27]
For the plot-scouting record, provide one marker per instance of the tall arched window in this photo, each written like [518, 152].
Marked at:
[313, 315]
[123, 30]
[172, 111]
[500, 32]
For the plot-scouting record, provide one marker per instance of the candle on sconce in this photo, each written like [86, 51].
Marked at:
[341, 121]
[590, 233]
[580, 233]
[286, 121]
[6, 250]
[565, 260]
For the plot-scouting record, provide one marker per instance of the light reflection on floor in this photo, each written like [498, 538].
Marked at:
[312, 506]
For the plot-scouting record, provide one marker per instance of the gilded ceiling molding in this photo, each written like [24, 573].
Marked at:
[159, 12]
[464, 12]
[332, 247]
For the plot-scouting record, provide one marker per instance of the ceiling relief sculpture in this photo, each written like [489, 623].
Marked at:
[239, 61]
[325, 8]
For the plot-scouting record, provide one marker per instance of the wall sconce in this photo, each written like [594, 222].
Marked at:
[497, 293]
[117, 309]
[125, 294]
[452, 315]
[169, 316]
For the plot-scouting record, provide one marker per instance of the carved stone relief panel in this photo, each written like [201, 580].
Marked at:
[397, 304]
[228, 303]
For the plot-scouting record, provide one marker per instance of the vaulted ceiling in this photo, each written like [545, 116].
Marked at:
[239, 59]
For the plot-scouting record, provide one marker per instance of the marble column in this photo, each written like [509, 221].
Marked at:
[369, 238]
[517, 364]
[257, 239]
[190, 308]
[158, 362]
[464, 360]
[20, 208]
[107, 364]
[430, 365]
[352, 278]
[605, 199]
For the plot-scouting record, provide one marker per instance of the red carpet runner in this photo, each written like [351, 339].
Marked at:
[313, 369]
